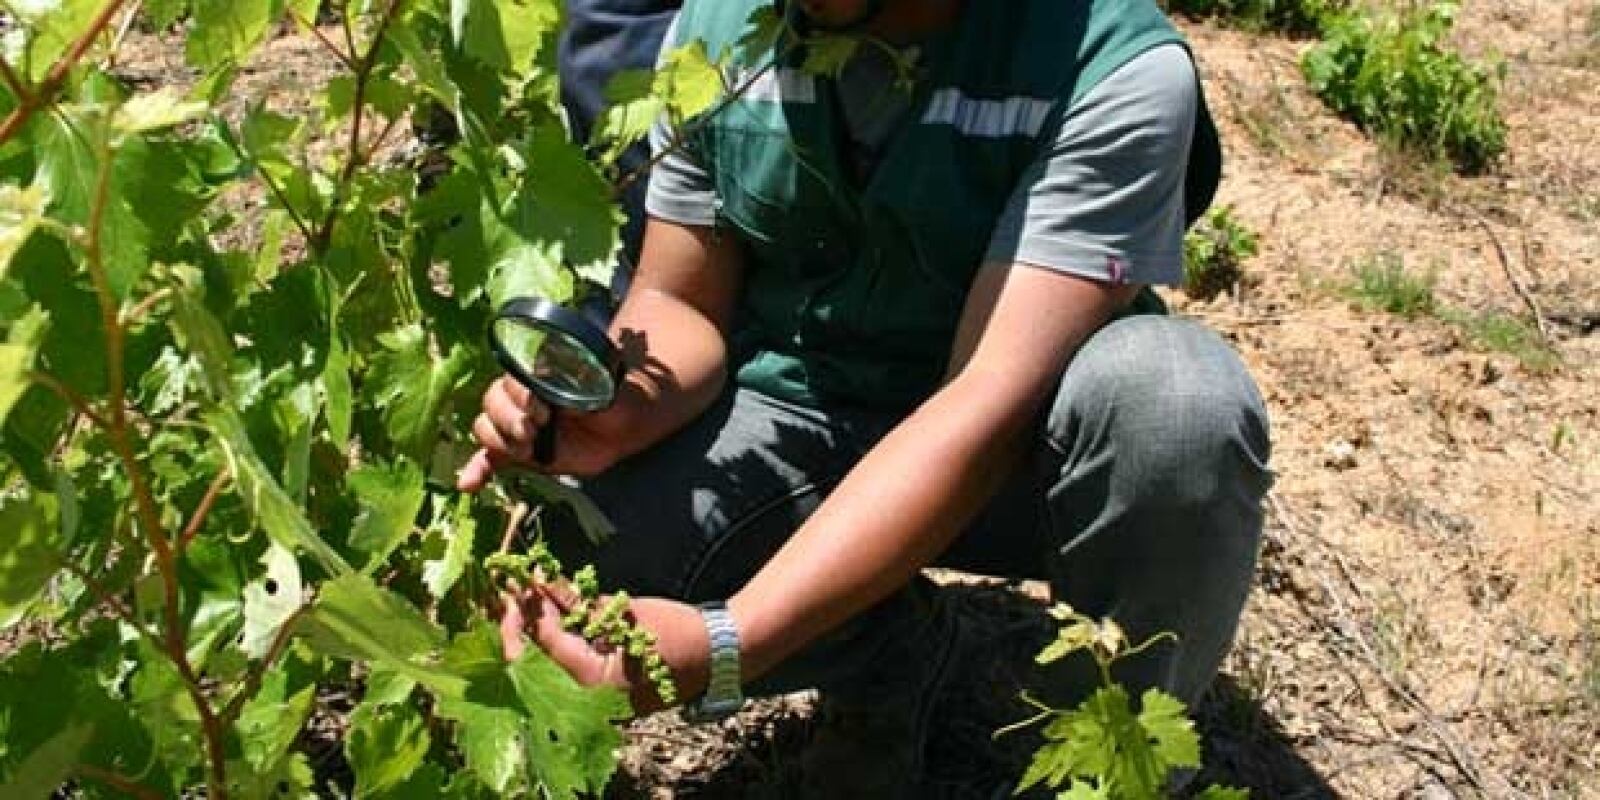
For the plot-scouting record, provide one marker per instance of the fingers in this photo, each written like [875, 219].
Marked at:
[506, 431]
[512, 624]
[477, 472]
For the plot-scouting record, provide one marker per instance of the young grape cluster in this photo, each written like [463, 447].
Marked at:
[598, 619]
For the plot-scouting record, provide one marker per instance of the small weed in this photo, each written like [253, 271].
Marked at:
[1214, 253]
[1504, 333]
[1393, 74]
[1384, 283]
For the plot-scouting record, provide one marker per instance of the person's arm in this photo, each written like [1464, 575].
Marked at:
[918, 488]
[670, 328]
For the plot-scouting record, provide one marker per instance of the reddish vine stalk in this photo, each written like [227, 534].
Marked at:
[46, 91]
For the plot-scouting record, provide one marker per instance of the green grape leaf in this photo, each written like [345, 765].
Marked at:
[1169, 729]
[290, 778]
[29, 551]
[69, 171]
[303, 10]
[826, 56]
[410, 384]
[385, 687]
[163, 387]
[632, 109]
[385, 745]
[528, 724]
[456, 530]
[295, 414]
[1079, 635]
[199, 332]
[164, 707]
[17, 355]
[337, 392]
[163, 13]
[223, 32]
[20, 212]
[766, 26]
[565, 206]
[55, 25]
[527, 271]
[47, 767]
[390, 496]
[30, 434]
[271, 721]
[504, 34]
[1085, 790]
[44, 693]
[688, 81]
[272, 508]
[354, 619]
[156, 110]
[271, 601]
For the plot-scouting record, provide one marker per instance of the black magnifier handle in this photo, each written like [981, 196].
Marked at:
[544, 442]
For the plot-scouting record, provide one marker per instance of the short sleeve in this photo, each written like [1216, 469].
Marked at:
[681, 189]
[1104, 200]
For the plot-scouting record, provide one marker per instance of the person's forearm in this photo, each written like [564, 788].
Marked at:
[895, 513]
[676, 366]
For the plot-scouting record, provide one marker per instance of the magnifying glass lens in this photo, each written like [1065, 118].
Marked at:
[561, 368]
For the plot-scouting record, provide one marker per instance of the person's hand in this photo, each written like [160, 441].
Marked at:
[680, 639]
[511, 418]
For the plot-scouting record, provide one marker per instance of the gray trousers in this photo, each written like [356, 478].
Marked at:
[1141, 501]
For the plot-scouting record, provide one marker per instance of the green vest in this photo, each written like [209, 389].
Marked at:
[853, 290]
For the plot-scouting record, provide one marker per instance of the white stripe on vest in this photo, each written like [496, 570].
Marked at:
[1012, 116]
[777, 86]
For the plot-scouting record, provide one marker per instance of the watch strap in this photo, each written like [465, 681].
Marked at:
[723, 694]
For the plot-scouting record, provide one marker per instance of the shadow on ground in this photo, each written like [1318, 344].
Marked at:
[757, 754]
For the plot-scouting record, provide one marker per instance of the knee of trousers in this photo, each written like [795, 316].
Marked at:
[1166, 412]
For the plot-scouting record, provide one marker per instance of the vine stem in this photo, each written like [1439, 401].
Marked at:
[327, 44]
[14, 82]
[57, 76]
[122, 442]
[681, 138]
[73, 399]
[198, 520]
[356, 156]
[118, 781]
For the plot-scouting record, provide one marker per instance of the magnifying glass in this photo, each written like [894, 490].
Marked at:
[562, 356]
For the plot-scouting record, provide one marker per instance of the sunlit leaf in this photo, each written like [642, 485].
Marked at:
[164, 108]
[20, 212]
[271, 600]
[225, 31]
[385, 745]
[390, 497]
[456, 531]
[355, 619]
[29, 555]
[505, 34]
[528, 724]
[17, 355]
[411, 385]
[688, 81]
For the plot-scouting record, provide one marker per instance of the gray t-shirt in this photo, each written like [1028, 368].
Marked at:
[1104, 200]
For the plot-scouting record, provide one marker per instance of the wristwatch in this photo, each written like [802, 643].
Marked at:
[723, 694]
